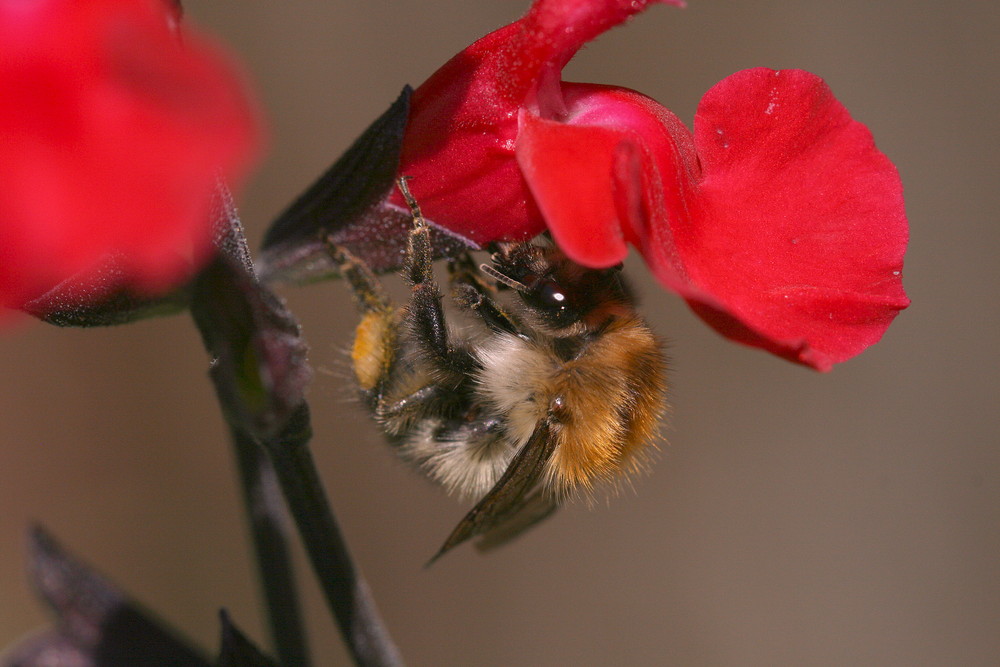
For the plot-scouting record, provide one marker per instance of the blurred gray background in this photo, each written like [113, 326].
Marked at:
[794, 519]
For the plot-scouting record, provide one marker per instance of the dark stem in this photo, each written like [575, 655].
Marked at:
[346, 591]
[267, 517]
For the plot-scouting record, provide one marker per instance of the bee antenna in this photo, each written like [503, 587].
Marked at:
[499, 277]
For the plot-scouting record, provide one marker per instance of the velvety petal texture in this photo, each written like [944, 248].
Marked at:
[778, 220]
[114, 130]
[459, 148]
[799, 226]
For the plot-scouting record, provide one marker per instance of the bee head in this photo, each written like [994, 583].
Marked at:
[557, 290]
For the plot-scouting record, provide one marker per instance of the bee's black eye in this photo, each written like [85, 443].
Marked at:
[551, 295]
[553, 302]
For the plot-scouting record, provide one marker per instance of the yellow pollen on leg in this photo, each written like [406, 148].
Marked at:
[371, 348]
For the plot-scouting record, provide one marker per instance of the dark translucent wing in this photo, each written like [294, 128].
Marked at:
[534, 508]
[510, 494]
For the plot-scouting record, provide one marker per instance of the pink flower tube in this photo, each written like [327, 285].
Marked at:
[777, 219]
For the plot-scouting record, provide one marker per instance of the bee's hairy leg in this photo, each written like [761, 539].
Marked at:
[463, 270]
[375, 338]
[487, 308]
[408, 404]
[419, 266]
[473, 292]
[368, 291]
[425, 314]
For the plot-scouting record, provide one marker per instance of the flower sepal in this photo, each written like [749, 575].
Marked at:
[101, 297]
[349, 206]
[236, 650]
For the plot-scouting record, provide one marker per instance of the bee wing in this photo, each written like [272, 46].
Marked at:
[508, 500]
[534, 508]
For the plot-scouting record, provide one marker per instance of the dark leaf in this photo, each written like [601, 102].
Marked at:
[97, 624]
[355, 183]
[238, 651]
[348, 206]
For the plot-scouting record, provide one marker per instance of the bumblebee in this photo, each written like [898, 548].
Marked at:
[554, 391]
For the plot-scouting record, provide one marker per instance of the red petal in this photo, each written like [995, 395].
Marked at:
[459, 146]
[458, 149]
[569, 169]
[552, 32]
[618, 170]
[799, 227]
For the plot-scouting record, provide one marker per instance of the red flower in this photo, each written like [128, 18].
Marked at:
[113, 134]
[777, 220]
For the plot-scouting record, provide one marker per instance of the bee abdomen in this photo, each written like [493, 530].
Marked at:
[467, 458]
[605, 406]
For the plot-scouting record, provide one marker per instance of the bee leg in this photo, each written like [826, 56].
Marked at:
[375, 339]
[425, 314]
[463, 270]
[410, 404]
[472, 291]
[485, 307]
[369, 294]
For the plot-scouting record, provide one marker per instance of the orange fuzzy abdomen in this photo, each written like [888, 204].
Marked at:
[606, 406]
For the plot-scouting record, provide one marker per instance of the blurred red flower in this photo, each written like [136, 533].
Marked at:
[777, 219]
[114, 131]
